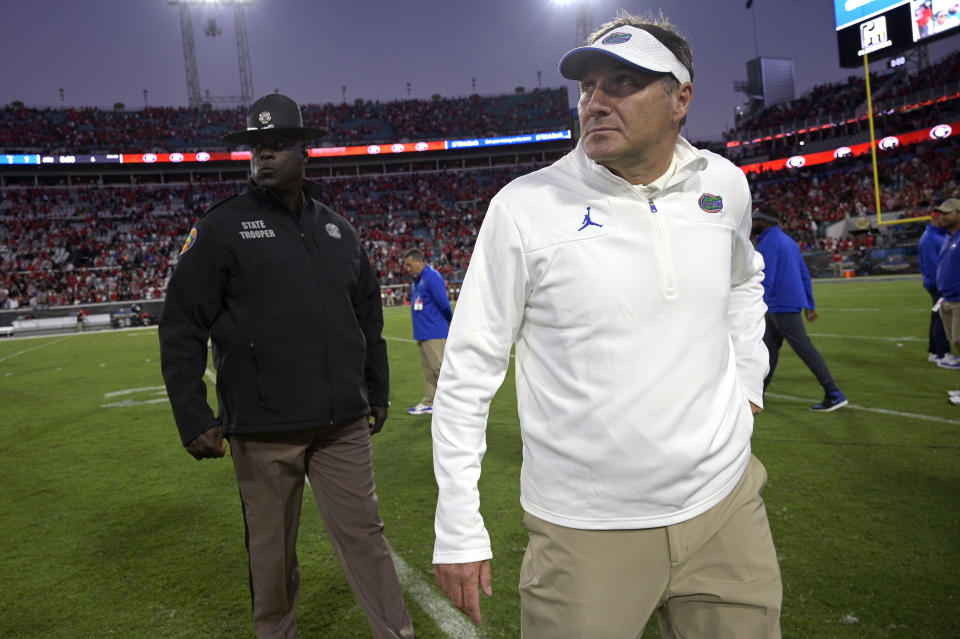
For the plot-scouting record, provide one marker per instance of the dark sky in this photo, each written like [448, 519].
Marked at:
[106, 51]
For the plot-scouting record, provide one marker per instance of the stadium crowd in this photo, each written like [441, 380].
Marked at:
[911, 178]
[901, 103]
[76, 245]
[65, 246]
[79, 130]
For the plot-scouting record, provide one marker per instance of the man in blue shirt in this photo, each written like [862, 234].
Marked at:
[786, 292]
[948, 277]
[431, 312]
[931, 242]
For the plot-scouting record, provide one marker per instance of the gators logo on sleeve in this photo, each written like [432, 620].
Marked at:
[190, 241]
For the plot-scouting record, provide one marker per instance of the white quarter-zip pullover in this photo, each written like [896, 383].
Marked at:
[637, 314]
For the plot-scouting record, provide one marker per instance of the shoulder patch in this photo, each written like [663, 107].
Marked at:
[710, 203]
[190, 241]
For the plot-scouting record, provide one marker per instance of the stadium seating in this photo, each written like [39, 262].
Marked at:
[157, 129]
[835, 114]
[911, 178]
[78, 245]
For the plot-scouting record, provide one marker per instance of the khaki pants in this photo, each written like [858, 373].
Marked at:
[270, 473]
[431, 356]
[715, 576]
[950, 315]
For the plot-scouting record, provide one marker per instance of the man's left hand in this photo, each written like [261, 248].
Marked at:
[810, 313]
[378, 415]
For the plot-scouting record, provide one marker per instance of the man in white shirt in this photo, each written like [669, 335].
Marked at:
[639, 489]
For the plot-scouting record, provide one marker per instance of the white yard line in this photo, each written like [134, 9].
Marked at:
[75, 333]
[449, 620]
[27, 350]
[127, 403]
[869, 409]
[130, 391]
[906, 338]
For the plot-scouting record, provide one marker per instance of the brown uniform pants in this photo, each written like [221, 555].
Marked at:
[337, 460]
[715, 576]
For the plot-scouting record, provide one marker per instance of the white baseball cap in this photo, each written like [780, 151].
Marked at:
[637, 47]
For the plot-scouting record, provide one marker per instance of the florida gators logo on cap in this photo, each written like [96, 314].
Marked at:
[190, 241]
[616, 38]
[710, 203]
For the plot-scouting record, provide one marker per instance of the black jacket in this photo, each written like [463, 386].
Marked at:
[293, 309]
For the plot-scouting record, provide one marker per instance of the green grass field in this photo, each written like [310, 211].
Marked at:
[110, 529]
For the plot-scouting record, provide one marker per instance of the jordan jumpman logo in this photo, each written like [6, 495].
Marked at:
[587, 221]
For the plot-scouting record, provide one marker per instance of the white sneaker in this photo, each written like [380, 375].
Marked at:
[950, 361]
[933, 357]
[954, 399]
[953, 393]
[423, 409]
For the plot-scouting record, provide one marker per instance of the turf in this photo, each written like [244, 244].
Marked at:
[111, 529]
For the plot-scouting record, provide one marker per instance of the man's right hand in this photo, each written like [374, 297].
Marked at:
[460, 584]
[209, 444]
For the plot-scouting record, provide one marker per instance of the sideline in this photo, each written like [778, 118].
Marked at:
[75, 333]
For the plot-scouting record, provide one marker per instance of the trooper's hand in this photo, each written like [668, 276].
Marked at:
[209, 444]
[378, 415]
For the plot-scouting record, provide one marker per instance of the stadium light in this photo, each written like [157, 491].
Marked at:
[190, 51]
[248, 3]
[584, 19]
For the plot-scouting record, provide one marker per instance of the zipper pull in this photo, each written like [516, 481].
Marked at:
[653, 207]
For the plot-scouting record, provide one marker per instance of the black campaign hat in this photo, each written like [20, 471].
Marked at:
[273, 114]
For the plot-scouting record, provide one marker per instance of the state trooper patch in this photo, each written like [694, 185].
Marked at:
[333, 230]
[190, 241]
[265, 117]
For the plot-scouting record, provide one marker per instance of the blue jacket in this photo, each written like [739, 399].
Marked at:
[931, 242]
[786, 280]
[948, 272]
[430, 306]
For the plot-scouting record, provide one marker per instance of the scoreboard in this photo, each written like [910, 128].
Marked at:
[884, 28]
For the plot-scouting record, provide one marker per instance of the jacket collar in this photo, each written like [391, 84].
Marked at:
[266, 197]
[687, 161]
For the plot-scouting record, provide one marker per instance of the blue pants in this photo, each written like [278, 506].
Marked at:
[789, 326]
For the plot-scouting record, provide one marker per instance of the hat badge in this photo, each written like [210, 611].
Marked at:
[265, 117]
[616, 38]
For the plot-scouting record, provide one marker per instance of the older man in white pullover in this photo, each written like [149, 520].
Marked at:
[639, 489]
